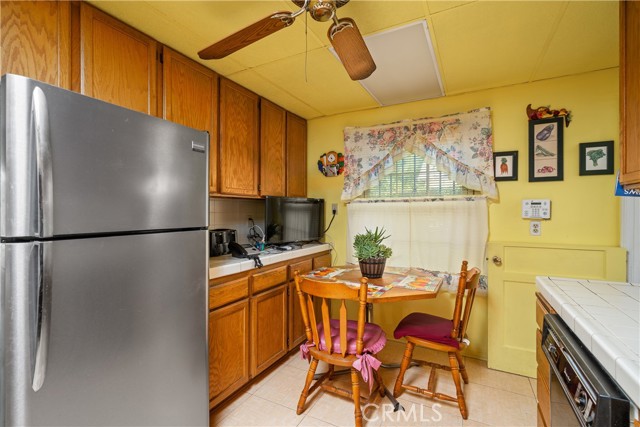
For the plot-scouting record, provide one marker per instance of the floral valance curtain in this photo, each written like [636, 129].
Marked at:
[460, 145]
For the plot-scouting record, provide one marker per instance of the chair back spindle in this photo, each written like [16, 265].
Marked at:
[308, 288]
[467, 285]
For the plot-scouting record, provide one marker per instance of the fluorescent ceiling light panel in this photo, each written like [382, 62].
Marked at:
[406, 66]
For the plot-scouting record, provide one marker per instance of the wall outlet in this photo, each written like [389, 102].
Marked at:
[535, 228]
[334, 208]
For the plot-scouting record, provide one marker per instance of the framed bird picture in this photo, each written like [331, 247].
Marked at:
[545, 149]
[505, 164]
[596, 158]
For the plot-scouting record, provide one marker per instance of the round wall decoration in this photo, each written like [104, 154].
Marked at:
[331, 163]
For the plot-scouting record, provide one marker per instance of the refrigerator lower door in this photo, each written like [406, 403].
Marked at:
[127, 342]
[74, 165]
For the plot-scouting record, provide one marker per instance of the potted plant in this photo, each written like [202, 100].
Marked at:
[371, 253]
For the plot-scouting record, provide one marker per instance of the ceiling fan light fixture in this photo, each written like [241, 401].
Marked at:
[322, 10]
[351, 49]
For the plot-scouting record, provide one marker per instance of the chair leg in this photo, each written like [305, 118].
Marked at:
[406, 361]
[453, 361]
[463, 369]
[355, 388]
[307, 384]
[380, 383]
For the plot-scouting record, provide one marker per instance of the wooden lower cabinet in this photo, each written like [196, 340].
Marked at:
[228, 350]
[543, 390]
[254, 320]
[296, 325]
[268, 328]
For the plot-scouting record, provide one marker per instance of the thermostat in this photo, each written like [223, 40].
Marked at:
[536, 209]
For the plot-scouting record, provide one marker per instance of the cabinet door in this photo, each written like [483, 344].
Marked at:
[118, 63]
[322, 261]
[630, 93]
[36, 40]
[191, 98]
[228, 350]
[268, 328]
[272, 149]
[296, 156]
[296, 325]
[239, 144]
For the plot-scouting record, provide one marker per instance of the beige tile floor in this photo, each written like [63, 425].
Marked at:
[494, 398]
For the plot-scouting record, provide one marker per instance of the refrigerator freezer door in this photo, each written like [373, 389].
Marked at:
[128, 335]
[75, 165]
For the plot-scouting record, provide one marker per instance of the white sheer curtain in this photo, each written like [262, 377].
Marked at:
[434, 234]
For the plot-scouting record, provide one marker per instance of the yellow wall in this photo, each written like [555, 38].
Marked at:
[584, 210]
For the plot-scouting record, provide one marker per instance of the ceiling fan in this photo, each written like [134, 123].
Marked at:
[343, 35]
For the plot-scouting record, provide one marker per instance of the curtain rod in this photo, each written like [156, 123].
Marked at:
[461, 198]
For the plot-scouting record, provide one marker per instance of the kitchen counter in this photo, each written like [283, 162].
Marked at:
[606, 318]
[225, 265]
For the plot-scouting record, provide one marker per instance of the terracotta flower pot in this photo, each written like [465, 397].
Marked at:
[372, 268]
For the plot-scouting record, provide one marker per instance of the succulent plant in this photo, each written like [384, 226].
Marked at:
[369, 244]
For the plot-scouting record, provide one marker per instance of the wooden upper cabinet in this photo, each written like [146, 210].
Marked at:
[239, 143]
[118, 63]
[296, 160]
[190, 93]
[273, 121]
[36, 37]
[630, 94]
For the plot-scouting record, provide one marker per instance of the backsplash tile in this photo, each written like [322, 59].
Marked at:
[234, 213]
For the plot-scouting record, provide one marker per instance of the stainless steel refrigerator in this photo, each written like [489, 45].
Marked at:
[103, 263]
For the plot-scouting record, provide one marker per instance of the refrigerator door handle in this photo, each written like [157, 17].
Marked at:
[43, 313]
[40, 124]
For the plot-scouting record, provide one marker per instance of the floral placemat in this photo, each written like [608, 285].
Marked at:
[418, 283]
[326, 272]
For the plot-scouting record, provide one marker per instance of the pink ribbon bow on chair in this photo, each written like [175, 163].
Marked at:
[366, 364]
[304, 350]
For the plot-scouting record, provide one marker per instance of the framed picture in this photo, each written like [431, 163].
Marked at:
[545, 149]
[505, 164]
[596, 158]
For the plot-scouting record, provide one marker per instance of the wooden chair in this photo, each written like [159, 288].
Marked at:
[437, 333]
[339, 342]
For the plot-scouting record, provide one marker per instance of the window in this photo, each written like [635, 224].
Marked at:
[414, 177]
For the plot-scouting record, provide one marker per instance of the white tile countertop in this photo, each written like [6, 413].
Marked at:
[606, 318]
[225, 265]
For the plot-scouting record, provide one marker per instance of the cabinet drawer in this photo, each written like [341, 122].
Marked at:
[542, 308]
[302, 267]
[268, 279]
[226, 293]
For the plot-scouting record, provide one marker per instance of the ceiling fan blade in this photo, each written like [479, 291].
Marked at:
[246, 36]
[351, 49]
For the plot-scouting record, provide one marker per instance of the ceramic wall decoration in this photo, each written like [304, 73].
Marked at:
[331, 163]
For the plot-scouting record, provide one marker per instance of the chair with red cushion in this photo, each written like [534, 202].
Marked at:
[437, 333]
[339, 342]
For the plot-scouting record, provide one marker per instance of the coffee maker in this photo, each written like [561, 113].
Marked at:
[219, 239]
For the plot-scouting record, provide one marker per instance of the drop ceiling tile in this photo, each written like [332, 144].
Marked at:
[267, 89]
[327, 87]
[160, 21]
[491, 44]
[372, 16]
[215, 20]
[586, 39]
[439, 6]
